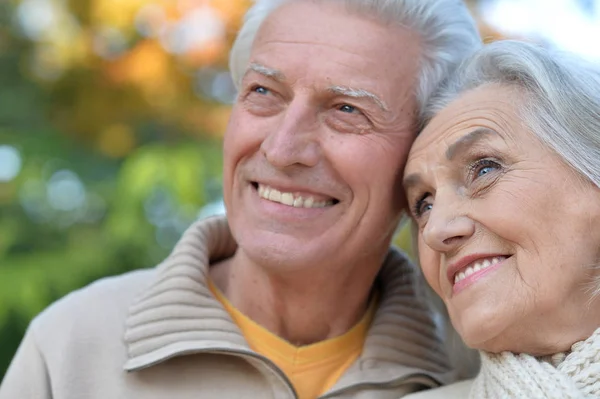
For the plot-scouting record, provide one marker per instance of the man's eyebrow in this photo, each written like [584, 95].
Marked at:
[358, 93]
[266, 71]
[460, 145]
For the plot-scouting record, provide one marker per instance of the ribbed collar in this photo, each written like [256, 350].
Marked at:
[177, 315]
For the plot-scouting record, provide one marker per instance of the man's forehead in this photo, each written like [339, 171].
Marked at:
[354, 92]
[325, 48]
[331, 24]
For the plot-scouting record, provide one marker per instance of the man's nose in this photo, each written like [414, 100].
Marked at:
[448, 225]
[295, 139]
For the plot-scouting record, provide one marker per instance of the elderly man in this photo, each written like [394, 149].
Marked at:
[297, 293]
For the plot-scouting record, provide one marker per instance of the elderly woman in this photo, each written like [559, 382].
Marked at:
[503, 183]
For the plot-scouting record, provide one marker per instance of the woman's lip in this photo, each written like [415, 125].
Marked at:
[465, 261]
[471, 279]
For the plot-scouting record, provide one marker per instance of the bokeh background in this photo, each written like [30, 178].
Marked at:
[111, 118]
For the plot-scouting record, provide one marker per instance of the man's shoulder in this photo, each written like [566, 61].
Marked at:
[457, 390]
[96, 309]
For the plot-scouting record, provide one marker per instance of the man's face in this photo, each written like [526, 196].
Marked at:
[318, 137]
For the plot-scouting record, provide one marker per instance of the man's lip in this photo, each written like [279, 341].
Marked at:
[467, 260]
[296, 190]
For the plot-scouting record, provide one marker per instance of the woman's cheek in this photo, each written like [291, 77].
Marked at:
[430, 265]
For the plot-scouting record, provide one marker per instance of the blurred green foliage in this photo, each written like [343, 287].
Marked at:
[135, 209]
[82, 207]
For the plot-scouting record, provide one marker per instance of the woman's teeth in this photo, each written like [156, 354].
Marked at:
[477, 266]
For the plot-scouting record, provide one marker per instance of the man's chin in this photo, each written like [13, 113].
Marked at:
[284, 251]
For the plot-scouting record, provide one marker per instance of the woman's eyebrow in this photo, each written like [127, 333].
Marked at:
[412, 180]
[460, 145]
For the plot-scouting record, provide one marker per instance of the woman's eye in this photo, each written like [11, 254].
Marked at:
[484, 171]
[422, 206]
[484, 167]
[425, 207]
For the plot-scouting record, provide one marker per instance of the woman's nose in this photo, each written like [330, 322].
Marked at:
[447, 226]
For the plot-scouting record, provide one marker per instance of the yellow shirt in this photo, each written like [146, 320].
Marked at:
[312, 369]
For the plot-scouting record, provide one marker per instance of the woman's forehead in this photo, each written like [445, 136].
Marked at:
[490, 108]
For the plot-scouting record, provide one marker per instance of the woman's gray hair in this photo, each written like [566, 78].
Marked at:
[561, 99]
[446, 29]
[561, 104]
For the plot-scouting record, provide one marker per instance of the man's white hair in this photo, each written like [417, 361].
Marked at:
[561, 99]
[446, 30]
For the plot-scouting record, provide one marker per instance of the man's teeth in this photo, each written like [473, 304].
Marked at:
[477, 266]
[290, 199]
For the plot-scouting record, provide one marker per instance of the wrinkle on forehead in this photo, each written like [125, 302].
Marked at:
[316, 21]
[353, 58]
[322, 45]
[469, 139]
[490, 107]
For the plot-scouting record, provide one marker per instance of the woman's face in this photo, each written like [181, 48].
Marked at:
[507, 234]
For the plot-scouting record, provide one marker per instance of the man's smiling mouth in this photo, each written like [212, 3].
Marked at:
[292, 199]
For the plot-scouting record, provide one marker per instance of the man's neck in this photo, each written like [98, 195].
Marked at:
[302, 307]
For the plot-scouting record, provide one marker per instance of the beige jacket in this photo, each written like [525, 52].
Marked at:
[159, 333]
[459, 390]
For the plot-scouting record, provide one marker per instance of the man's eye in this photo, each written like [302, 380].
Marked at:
[260, 90]
[349, 109]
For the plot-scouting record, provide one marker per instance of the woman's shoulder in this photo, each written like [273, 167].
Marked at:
[457, 390]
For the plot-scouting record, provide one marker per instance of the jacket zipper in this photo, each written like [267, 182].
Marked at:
[242, 353]
[268, 363]
[413, 378]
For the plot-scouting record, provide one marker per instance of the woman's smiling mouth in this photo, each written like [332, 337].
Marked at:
[471, 268]
[476, 267]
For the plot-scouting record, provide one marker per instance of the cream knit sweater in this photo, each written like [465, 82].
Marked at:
[564, 376]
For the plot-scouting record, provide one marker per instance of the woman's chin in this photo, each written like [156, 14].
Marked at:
[475, 341]
[480, 333]
[489, 339]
